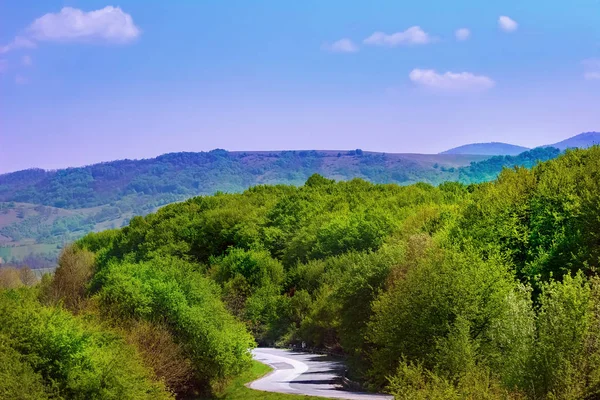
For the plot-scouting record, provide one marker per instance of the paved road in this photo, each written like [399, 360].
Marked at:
[303, 373]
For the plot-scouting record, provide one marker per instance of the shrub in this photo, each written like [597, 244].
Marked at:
[449, 290]
[167, 290]
[18, 380]
[9, 278]
[69, 284]
[159, 352]
[76, 360]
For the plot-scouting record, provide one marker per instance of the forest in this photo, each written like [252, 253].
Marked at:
[460, 290]
[41, 208]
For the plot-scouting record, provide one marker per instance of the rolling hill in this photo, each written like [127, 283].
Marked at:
[41, 210]
[490, 149]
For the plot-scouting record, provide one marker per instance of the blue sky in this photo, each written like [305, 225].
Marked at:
[82, 83]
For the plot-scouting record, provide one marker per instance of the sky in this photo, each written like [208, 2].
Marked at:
[89, 81]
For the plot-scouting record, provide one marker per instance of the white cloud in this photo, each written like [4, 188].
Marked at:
[109, 24]
[507, 24]
[592, 68]
[451, 81]
[26, 61]
[462, 34]
[341, 46]
[21, 80]
[18, 42]
[412, 36]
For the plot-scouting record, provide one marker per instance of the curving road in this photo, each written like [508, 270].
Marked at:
[305, 374]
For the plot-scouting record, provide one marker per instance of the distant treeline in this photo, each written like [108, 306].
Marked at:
[169, 177]
[56, 207]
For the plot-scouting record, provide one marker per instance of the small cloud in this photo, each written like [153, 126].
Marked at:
[19, 42]
[592, 69]
[507, 24]
[26, 61]
[451, 81]
[462, 34]
[109, 24]
[412, 36]
[21, 80]
[341, 46]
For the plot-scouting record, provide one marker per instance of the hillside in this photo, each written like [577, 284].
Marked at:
[490, 149]
[582, 141]
[41, 210]
[486, 291]
[173, 176]
[489, 169]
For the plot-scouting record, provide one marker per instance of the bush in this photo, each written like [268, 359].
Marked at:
[69, 284]
[566, 358]
[18, 380]
[413, 382]
[167, 290]
[448, 294]
[10, 278]
[159, 352]
[76, 360]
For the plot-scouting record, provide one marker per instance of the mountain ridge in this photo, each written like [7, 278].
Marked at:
[583, 140]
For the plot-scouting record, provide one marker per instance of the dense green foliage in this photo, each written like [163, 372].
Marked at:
[447, 285]
[169, 291]
[488, 170]
[56, 207]
[449, 292]
[186, 174]
[48, 353]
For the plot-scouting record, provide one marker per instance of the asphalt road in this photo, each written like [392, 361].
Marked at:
[303, 373]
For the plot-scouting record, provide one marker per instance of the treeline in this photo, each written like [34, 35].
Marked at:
[107, 195]
[450, 292]
[172, 177]
[488, 170]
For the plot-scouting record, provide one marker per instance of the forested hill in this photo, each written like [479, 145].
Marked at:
[187, 174]
[484, 291]
[488, 170]
[178, 175]
[41, 210]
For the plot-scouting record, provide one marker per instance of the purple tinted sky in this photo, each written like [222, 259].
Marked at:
[270, 75]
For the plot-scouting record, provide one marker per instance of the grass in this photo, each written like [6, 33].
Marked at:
[237, 388]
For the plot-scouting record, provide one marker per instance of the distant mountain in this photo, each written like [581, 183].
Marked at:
[583, 140]
[488, 149]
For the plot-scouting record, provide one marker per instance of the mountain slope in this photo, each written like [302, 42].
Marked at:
[489, 149]
[582, 141]
[167, 178]
[489, 169]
